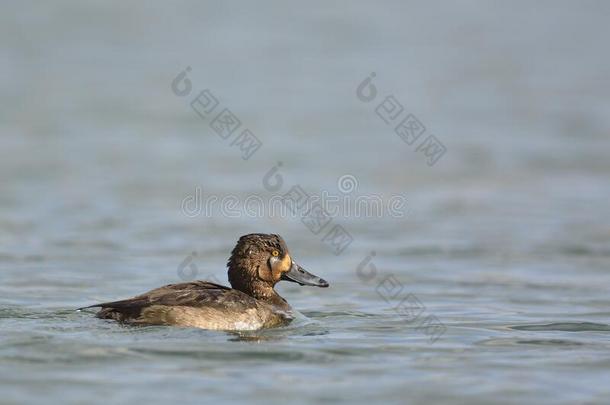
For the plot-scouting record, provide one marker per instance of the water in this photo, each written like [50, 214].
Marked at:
[505, 240]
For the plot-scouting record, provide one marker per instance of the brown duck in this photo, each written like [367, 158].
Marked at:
[257, 263]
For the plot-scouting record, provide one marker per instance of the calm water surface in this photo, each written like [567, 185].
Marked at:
[505, 241]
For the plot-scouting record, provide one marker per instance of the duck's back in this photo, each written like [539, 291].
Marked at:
[197, 304]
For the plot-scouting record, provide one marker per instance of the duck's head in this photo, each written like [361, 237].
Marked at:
[259, 261]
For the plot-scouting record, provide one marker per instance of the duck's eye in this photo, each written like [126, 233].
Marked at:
[275, 253]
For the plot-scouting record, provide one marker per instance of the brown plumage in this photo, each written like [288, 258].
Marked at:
[257, 263]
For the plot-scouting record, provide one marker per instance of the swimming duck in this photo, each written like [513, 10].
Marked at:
[257, 263]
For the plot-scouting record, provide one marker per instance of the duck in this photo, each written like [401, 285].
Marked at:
[257, 263]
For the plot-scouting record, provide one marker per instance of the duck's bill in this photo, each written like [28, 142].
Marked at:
[297, 274]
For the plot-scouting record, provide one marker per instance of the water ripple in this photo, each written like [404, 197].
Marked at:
[564, 327]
